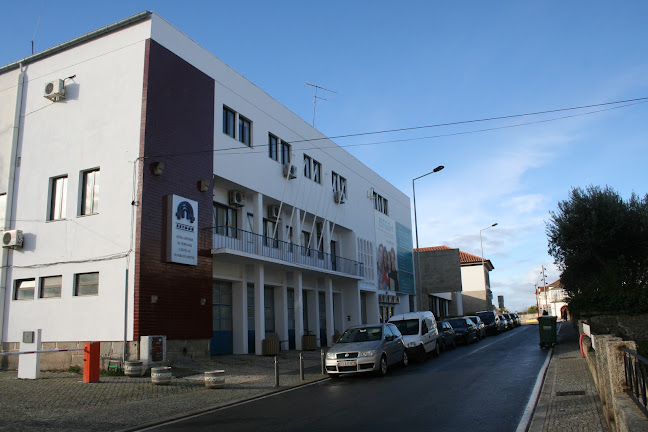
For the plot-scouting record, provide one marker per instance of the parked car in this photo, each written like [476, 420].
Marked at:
[492, 322]
[446, 336]
[481, 328]
[465, 329]
[507, 322]
[366, 348]
[420, 334]
[516, 317]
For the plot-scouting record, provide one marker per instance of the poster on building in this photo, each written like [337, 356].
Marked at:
[182, 230]
[386, 259]
[405, 259]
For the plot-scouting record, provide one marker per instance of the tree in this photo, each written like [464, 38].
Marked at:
[600, 243]
[532, 309]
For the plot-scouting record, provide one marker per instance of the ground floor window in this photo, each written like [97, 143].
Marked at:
[86, 284]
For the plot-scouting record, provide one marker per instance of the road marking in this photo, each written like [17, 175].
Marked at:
[523, 426]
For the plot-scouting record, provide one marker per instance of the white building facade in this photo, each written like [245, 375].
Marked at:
[159, 192]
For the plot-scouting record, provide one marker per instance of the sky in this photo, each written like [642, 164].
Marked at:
[397, 65]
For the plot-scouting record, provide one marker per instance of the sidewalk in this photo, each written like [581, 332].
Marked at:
[569, 400]
[61, 401]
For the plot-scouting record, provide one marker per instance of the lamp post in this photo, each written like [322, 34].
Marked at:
[418, 258]
[481, 243]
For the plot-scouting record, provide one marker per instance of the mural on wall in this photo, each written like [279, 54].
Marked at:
[405, 258]
[386, 258]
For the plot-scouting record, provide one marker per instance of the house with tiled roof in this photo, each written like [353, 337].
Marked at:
[453, 282]
[552, 298]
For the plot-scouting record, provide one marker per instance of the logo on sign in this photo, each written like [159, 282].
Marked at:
[185, 212]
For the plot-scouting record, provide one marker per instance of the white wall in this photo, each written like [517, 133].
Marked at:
[96, 126]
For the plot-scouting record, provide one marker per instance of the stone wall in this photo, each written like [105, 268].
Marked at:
[627, 327]
[605, 361]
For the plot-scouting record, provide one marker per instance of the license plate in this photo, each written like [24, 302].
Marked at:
[346, 363]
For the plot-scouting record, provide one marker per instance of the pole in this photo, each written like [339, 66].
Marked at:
[301, 366]
[544, 282]
[418, 252]
[481, 244]
[322, 361]
[276, 365]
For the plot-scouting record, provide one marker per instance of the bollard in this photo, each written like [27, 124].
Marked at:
[276, 372]
[301, 366]
[322, 356]
[91, 360]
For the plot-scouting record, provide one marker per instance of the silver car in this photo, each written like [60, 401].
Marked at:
[366, 348]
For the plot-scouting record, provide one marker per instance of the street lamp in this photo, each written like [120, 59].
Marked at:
[481, 243]
[418, 258]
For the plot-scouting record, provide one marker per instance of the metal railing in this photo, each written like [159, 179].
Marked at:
[636, 376]
[245, 241]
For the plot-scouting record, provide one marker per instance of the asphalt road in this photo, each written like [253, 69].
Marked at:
[480, 387]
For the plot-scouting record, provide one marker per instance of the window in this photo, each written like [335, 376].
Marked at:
[86, 284]
[58, 198]
[366, 257]
[25, 289]
[269, 235]
[245, 127]
[312, 169]
[285, 152]
[380, 203]
[307, 166]
[339, 184]
[228, 121]
[305, 240]
[50, 286]
[272, 146]
[225, 220]
[90, 193]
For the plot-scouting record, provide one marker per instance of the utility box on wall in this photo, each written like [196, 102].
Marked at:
[152, 349]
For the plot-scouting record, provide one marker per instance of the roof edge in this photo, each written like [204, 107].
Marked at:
[78, 40]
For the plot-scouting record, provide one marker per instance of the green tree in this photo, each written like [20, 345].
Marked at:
[532, 309]
[600, 243]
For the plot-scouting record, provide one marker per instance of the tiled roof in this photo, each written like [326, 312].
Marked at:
[464, 257]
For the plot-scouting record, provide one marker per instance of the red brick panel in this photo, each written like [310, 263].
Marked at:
[178, 130]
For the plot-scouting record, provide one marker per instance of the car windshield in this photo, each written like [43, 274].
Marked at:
[474, 319]
[487, 318]
[457, 322]
[362, 334]
[407, 327]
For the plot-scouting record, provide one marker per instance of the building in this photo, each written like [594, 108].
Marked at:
[553, 299]
[156, 191]
[453, 282]
[440, 289]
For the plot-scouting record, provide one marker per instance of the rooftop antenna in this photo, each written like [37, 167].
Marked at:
[37, 23]
[316, 98]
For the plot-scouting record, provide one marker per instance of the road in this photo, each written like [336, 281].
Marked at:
[480, 387]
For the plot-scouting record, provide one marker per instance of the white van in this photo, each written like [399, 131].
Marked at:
[420, 334]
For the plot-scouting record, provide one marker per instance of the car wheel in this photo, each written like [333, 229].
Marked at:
[443, 346]
[405, 361]
[382, 368]
[437, 350]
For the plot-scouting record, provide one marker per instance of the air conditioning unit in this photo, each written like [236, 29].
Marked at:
[12, 239]
[273, 212]
[236, 198]
[290, 170]
[339, 197]
[55, 90]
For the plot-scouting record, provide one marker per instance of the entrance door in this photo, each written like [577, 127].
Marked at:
[291, 318]
[222, 341]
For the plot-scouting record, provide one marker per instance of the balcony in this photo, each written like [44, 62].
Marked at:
[228, 239]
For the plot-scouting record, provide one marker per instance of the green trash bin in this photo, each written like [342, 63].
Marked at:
[547, 324]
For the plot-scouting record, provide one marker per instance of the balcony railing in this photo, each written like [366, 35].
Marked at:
[636, 375]
[245, 241]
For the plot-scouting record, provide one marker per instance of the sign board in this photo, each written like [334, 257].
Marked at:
[182, 230]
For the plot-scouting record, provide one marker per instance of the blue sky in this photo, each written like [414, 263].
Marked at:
[417, 63]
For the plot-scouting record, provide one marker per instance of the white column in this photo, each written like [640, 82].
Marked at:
[330, 320]
[311, 301]
[257, 221]
[299, 312]
[239, 318]
[281, 313]
[338, 309]
[352, 311]
[373, 315]
[259, 309]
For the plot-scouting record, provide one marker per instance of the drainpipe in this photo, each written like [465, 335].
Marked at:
[8, 216]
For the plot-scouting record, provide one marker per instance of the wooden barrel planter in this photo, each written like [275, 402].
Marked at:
[161, 375]
[134, 368]
[215, 379]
